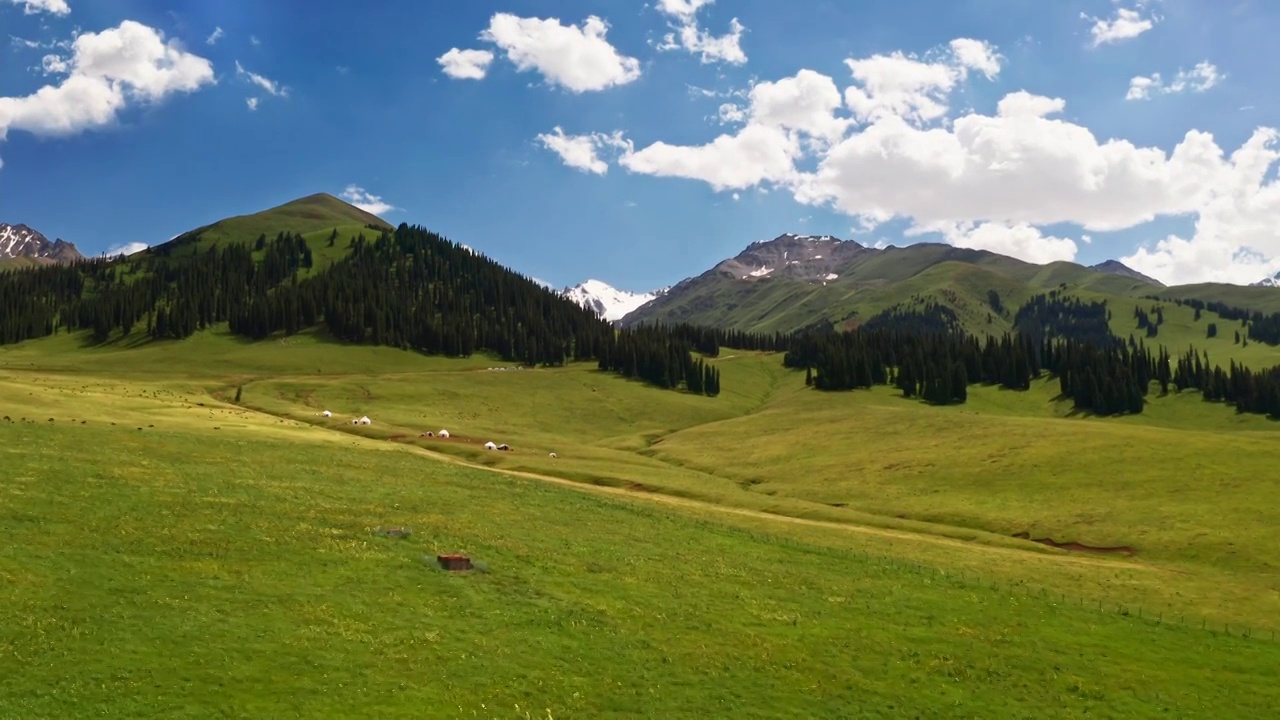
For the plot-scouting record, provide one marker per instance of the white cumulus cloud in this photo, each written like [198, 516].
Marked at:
[126, 249]
[105, 72]
[582, 151]
[578, 59]
[1203, 76]
[53, 7]
[465, 64]
[214, 36]
[1018, 240]
[887, 145]
[367, 202]
[904, 86]
[252, 103]
[1124, 24]
[686, 34]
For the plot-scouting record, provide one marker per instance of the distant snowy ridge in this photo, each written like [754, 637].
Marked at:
[1273, 281]
[607, 301]
[22, 241]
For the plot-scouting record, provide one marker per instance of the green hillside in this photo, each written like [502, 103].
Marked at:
[313, 213]
[873, 281]
[961, 280]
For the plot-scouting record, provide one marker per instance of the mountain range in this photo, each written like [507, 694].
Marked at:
[607, 301]
[783, 284]
[795, 281]
[1272, 281]
[24, 245]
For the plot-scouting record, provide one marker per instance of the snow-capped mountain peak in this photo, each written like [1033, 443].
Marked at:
[22, 241]
[609, 302]
[1273, 281]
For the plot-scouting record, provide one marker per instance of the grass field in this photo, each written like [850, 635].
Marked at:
[771, 552]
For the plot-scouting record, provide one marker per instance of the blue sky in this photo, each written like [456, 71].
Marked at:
[159, 136]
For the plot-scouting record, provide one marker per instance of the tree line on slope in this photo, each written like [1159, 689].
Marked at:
[1259, 327]
[409, 288]
[1054, 334]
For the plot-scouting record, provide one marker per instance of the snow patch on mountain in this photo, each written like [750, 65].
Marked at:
[1273, 281]
[22, 241]
[607, 301]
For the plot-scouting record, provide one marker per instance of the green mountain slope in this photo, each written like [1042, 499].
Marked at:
[312, 213]
[315, 217]
[775, 296]
[795, 282]
[319, 264]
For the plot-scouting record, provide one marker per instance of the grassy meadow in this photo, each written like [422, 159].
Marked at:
[773, 552]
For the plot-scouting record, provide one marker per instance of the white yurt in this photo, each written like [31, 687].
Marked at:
[326, 413]
[443, 433]
[365, 420]
[490, 446]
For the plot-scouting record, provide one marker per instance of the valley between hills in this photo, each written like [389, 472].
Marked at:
[818, 479]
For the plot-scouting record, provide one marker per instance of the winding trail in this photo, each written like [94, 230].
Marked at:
[407, 443]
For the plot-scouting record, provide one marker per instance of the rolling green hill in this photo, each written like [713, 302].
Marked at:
[775, 552]
[309, 214]
[871, 282]
[315, 217]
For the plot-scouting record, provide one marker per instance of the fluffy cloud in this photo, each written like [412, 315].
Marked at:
[271, 87]
[362, 199]
[1018, 240]
[682, 9]
[889, 147]
[126, 249]
[902, 86]
[1125, 24]
[1234, 238]
[465, 64]
[53, 7]
[687, 35]
[581, 151]
[105, 72]
[215, 36]
[1024, 104]
[252, 103]
[579, 59]
[1198, 79]
[805, 102]
[785, 118]
[755, 154]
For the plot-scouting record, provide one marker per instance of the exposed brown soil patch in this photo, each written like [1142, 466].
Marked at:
[1075, 546]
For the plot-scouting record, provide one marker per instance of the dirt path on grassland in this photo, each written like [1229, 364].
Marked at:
[687, 503]
[406, 442]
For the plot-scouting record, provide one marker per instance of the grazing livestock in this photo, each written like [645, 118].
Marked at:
[554, 455]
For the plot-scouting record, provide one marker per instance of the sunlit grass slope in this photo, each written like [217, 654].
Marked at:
[220, 562]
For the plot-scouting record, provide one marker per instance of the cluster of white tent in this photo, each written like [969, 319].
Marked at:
[442, 434]
[358, 421]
